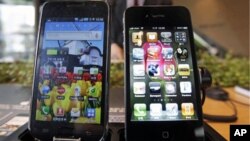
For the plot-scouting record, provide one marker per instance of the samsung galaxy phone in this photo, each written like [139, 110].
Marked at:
[70, 76]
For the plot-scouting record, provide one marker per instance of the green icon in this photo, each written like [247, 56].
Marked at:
[140, 110]
[45, 110]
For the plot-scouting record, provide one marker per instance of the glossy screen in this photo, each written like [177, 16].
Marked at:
[70, 71]
[162, 84]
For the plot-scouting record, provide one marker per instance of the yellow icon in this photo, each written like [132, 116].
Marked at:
[183, 69]
[152, 37]
[187, 109]
[137, 38]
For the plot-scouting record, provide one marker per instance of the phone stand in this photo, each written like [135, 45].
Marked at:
[26, 136]
[65, 139]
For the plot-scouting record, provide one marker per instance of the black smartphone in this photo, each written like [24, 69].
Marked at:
[162, 80]
[70, 76]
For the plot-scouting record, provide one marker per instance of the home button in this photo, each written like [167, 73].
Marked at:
[165, 135]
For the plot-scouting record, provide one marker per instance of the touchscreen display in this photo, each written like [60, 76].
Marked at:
[162, 84]
[70, 65]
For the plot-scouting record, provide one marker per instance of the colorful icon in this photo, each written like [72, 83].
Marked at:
[155, 109]
[59, 112]
[169, 69]
[137, 38]
[187, 109]
[60, 90]
[185, 87]
[152, 37]
[182, 53]
[155, 87]
[138, 54]
[90, 112]
[180, 37]
[45, 89]
[153, 52]
[167, 53]
[93, 71]
[184, 69]
[45, 110]
[139, 88]
[78, 70]
[170, 87]
[75, 112]
[153, 69]
[62, 69]
[77, 91]
[139, 70]
[92, 91]
[172, 109]
[140, 110]
[166, 36]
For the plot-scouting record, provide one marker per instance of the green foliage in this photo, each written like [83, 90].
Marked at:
[226, 72]
[18, 72]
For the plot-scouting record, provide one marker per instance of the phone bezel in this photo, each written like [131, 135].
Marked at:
[151, 16]
[62, 9]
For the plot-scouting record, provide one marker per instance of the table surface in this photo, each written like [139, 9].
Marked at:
[215, 107]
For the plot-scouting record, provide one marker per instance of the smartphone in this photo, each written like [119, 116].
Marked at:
[162, 80]
[70, 76]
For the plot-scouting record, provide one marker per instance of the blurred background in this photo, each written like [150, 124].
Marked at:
[221, 38]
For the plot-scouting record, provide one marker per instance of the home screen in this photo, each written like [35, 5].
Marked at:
[161, 74]
[71, 71]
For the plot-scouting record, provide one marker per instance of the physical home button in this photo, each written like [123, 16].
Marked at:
[165, 135]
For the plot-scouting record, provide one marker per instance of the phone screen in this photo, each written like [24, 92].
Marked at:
[162, 84]
[70, 66]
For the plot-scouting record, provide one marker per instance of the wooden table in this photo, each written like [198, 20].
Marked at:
[215, 107]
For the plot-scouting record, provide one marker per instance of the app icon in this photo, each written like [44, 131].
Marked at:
[90, 112]
[167, 53]
[156, 109]
[62, 69]
[48, 69]
[93, 71]
[45, 110]
[52, 52]
[60, 90]
[155, 87]
[153, 69]
[169, 69]
[187, 109]
[183, 69]
[152, 37]
[140, 110]
[180, 37]
[153, 52]
[185, 87]
[78, 70]
[138, 54]
[166, 36]
[45, 89]
[139, 70]
[77, 91]
[170, 87]
[75, 112]
[182, 53]
[172, 109]
[92, 91]
[59, 112]
[139, 88]
[137, 38]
